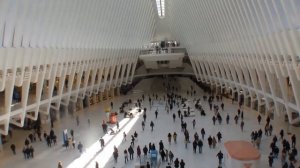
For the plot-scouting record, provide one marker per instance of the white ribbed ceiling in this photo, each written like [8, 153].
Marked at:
[76, 23]
[200, 25]
[209, 26]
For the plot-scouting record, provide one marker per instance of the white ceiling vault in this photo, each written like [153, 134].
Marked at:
[76, 23]
[249, 46]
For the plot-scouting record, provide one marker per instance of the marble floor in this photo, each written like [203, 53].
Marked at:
[46, 157]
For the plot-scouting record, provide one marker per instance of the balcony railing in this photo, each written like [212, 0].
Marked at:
[169, 50]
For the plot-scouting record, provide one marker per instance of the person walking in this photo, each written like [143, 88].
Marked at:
[124, 136]
[209, 140]
[59, 165]
[151, 125]
[202, 133]
[80, 147]
[126, 156]
[293, 139]
[13, 148]
[259, 119]
[182, 163]
[227, 119]
[171, 156]
[138, 151]
[144, 116]
[194, 123]
[281, 134]
[143, 125]
[219, 136]
[270, 159]
[77, 120]
[145, 150]
[200, 145]
[117, 124]
[156, 113]
[176, 163]
[174, 117]
[214, 120]
[214, 142]
[195, 144]
[102, 142]
[115, 154]
[169, 138]
[220, 157]
[242, 125]
[131, 152]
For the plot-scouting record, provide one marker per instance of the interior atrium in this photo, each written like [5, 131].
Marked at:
[72, 66]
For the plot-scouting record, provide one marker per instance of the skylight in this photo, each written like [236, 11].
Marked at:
[160, 8]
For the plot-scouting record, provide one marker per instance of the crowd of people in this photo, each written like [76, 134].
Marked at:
[179, 107]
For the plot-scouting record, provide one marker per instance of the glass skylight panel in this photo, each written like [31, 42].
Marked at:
[160, 4]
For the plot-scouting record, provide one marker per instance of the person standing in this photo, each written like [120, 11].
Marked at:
[156, 113]
[96, 164]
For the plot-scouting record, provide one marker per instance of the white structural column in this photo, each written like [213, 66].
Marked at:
[248, 47]
[57, 53]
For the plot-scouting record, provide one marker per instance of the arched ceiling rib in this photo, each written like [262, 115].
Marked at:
[207, 25]
[76, 23]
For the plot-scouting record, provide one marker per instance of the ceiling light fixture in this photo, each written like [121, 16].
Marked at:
[160, 4]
